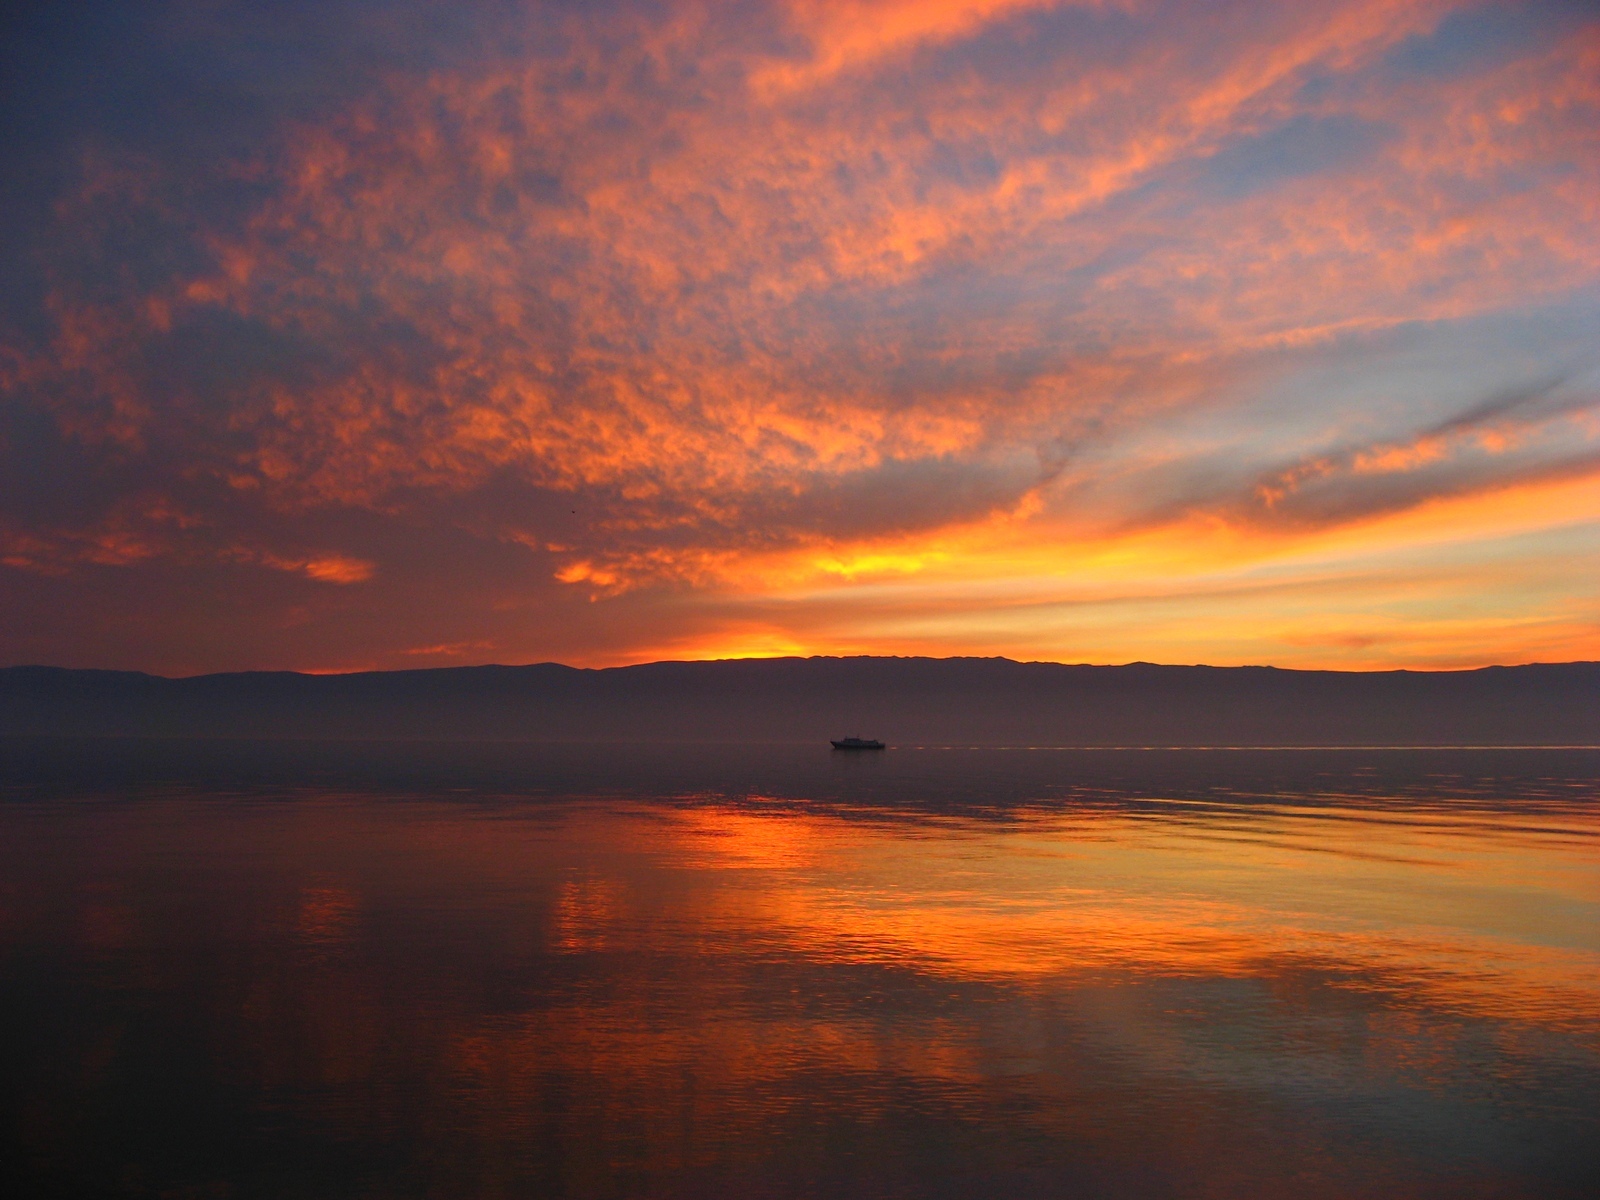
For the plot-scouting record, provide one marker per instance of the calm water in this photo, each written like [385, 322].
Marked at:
[233, 970]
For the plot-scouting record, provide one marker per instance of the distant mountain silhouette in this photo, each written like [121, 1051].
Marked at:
[907, 701]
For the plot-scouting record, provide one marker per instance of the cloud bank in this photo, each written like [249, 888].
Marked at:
[368, 335]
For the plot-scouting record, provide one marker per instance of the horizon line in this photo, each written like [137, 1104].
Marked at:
[337, 671]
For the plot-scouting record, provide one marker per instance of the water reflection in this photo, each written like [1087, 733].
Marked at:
[1034, 983]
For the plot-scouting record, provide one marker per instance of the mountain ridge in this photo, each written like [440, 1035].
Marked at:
[905, 699]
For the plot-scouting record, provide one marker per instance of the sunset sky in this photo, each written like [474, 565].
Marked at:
[338, 334]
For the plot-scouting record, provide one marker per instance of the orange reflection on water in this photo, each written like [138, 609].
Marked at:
[327, 915]
[1453, 910]
[605, 997]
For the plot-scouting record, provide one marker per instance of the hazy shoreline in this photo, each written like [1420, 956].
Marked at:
[917, 701]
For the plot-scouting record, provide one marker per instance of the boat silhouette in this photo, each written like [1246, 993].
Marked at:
[855, 743]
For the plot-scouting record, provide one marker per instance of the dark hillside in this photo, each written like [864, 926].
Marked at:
[957, 701]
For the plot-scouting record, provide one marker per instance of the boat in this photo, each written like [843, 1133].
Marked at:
[855, 743]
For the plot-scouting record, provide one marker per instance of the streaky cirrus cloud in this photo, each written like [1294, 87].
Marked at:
[1224, 332]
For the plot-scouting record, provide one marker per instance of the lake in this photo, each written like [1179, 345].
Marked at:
[483, 970]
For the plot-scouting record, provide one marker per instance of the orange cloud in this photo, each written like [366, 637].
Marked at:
[330, 568]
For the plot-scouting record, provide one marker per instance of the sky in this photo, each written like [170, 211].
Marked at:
[339, 335]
